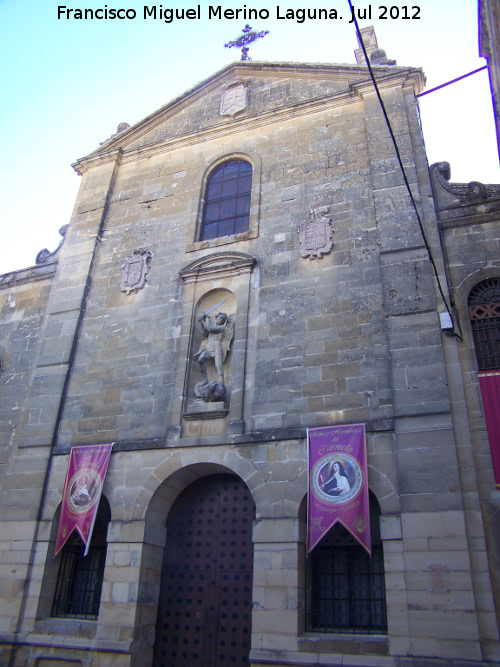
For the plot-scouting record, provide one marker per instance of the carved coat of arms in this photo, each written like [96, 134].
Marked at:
[315, 234]
[234, 99]
[135, 268]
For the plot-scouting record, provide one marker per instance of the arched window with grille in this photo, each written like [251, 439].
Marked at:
[484, 312]
[226, 209]
[79, 581]
[346, 586]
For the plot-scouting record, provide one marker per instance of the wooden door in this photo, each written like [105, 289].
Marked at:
[205, 607]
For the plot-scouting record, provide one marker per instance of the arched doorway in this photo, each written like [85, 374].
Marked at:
[205, 606]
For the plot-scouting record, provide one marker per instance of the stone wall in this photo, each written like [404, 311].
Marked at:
[23, 300]
[469, 215]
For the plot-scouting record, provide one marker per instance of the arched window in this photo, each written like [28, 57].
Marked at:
[79, 582]
[226, 209]
[347, 587]
[484, 312]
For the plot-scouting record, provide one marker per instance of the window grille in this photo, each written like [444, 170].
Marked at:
[484, 312]
[347, 586]
[79, 582]
[227, 200]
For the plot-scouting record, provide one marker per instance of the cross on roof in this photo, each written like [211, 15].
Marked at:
[247, 37]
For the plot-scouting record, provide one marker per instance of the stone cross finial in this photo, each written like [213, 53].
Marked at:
[247, 37]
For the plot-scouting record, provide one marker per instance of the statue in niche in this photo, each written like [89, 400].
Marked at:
[217, 336]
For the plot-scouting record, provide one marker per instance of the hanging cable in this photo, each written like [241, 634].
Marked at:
[448, 83]
[400, 161]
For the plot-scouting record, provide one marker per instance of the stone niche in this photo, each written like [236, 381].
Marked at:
[206, 403]
[213, 397]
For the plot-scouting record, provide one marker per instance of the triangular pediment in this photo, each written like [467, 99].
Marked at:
[271, 91]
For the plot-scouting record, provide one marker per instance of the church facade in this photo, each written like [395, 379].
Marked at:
[241, 266]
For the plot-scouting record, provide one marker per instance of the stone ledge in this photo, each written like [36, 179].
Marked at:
[312, 659]
[257, 437]
[215, 410]
[80, 630]
[75, 643]
[374, 645]
[32, 273]
[268, 658]
[222, 240]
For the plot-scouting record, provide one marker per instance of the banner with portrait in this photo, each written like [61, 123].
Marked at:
[82, 491]
[338, 483]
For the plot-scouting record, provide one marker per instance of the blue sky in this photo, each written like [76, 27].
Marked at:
[67, 84]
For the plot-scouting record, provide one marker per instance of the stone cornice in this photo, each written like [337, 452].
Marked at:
[95, 160]
[387, 77]
[28, 275]
[246, 438]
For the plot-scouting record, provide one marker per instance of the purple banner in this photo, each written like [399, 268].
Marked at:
[489, 382]
[82, 491]
[338, 483]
